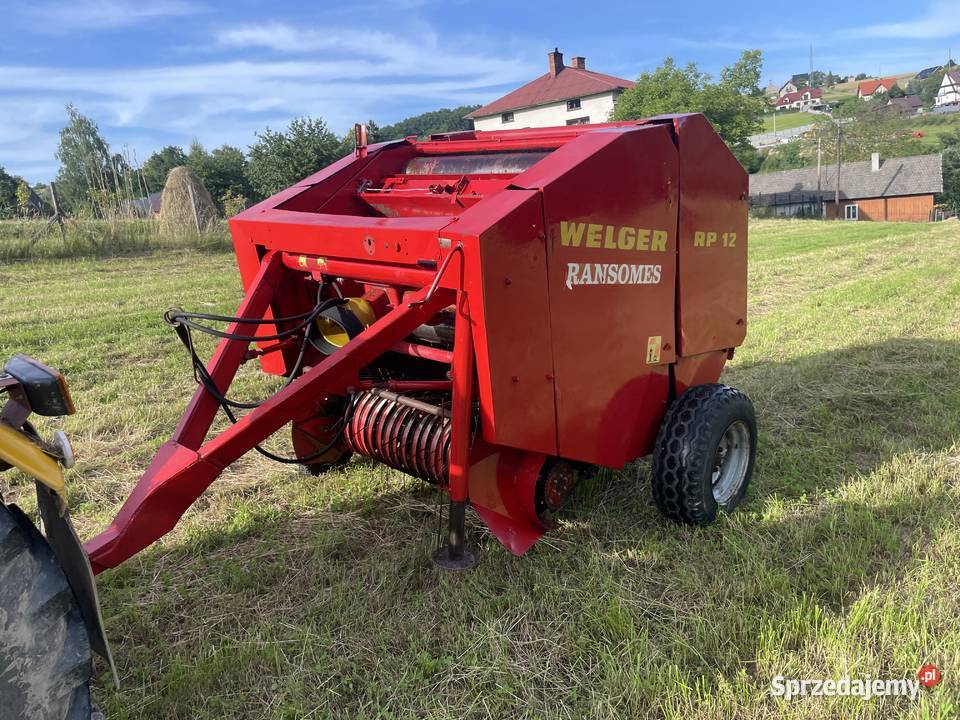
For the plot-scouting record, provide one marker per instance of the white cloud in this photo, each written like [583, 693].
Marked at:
[940, 20]
[366, 74]
[71, 15]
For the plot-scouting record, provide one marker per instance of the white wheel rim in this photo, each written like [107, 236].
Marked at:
[730, 462]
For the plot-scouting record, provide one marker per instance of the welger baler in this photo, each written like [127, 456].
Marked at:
[492, 312]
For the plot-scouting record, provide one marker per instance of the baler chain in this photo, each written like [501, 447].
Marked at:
[407, 434]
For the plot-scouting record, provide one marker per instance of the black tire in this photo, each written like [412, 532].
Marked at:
[45, 657]
[700, 446]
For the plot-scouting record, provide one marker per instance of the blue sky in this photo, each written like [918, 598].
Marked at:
[159, 72]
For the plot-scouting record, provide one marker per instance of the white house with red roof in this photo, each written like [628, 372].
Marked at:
[868, 88]
[803, 99]
[566, 95]
[949, 92]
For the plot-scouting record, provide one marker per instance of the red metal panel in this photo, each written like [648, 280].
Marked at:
[506, 271]
[698, 369]
[712, 291]
[610, 200]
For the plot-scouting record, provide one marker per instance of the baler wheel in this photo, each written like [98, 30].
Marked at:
[45, 656]
[704, 455]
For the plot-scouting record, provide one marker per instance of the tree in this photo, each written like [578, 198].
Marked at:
[85, 161]
[280, 159]
[749, 157]
[435, 121]
[950, 152]
[895, 92]
[23, 199]
[157, 166]
[669, 88]
[8, 194]
[861, 76]
[734, 105]
[223, 172]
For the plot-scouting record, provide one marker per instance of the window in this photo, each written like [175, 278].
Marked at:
[579, 121]
[573, 104]
[506, 117]
[851, 212]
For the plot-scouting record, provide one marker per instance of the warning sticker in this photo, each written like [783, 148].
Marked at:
[653, 349]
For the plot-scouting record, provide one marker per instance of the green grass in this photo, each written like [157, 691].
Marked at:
[849, 89]
[787, 120]
[933, 128]
[35, 239]
[286, 596]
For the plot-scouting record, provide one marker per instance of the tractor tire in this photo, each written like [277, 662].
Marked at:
[45, 656]
[704, 455]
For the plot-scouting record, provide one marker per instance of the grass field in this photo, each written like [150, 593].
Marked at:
[787, 120]
[933, 128]
[286, 596]
[849, 89]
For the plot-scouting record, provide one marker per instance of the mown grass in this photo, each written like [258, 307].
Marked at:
[286, 596]
[787, 120]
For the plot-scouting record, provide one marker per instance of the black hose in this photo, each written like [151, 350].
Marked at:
[182, 323]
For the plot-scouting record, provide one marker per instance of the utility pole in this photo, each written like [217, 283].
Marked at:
[819, 173]
[836, 194]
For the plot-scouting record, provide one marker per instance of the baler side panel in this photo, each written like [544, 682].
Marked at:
[506, 278]
[712, 290]
[610, 201]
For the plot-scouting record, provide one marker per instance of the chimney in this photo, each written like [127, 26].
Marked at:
[555, 59]
[875, 162]
[579, 62]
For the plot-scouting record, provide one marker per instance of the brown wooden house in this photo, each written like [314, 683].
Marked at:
[898, 189]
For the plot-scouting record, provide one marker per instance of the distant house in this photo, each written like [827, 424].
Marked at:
[927, 72]
[868, 88]
[803, 99]
[149, 205]
[949, 92]
[566, 95]
[907, 105]
[787, 88]
[771, 90]
[898, 189]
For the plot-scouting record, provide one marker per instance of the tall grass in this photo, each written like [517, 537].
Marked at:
[37, 239]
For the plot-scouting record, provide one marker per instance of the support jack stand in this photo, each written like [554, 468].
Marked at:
[456, 555]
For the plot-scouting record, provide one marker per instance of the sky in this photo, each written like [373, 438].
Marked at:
[159, 72]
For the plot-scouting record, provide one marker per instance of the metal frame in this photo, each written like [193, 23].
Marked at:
[188, 463]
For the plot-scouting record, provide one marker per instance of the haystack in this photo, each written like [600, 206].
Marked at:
[186, 205]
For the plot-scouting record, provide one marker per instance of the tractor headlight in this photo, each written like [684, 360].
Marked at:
[45, 389]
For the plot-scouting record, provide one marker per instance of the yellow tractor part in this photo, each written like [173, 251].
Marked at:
[20, 451]
[335, 333]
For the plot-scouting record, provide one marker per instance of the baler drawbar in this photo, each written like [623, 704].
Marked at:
[493, 312]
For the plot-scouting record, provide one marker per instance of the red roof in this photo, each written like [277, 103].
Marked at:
[569, 83]
[790, 98]
[869, 87]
